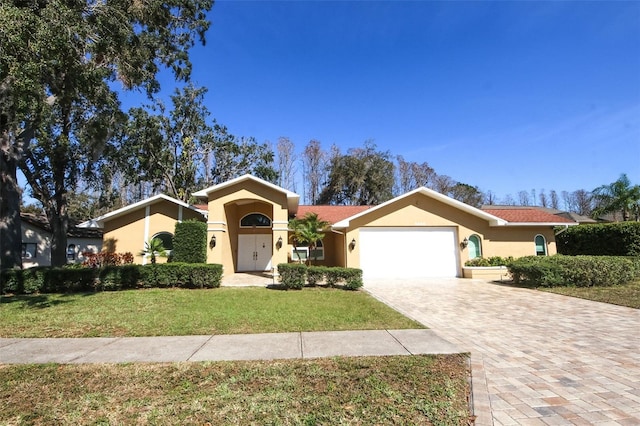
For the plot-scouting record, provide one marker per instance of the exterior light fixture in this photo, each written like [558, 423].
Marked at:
[279, 243]
[352, 244]
[212, 242]
[464, 243]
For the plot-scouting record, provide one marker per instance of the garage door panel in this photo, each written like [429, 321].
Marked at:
[408, 252]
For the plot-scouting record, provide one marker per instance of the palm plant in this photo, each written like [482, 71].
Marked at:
[308, 231]
[154, 248]
[619, 196]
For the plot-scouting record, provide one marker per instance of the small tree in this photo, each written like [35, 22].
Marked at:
[308, 231]
[153, 248]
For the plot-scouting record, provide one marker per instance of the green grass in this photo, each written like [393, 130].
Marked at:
[166, 312]
[623, 295]
[349, 391]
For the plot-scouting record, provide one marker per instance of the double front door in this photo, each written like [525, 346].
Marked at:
[254, 252]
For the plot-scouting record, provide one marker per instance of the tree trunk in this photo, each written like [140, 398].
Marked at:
[10, 225]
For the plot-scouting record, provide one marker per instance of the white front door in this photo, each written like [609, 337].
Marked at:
[254, 252]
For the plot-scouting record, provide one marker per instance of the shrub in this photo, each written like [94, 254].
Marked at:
[316, 274]
[605, 239]
[190, 242]
[64, 280]
[292, 275]
[579, 271]
[491, 261]
[106, 258]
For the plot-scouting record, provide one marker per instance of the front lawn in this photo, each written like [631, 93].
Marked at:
[167, 312]
[349, 391]
[623, 295]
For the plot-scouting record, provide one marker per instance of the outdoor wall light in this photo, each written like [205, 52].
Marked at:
[279, 243]
[464, 243]
[212, 242]
[352, 244]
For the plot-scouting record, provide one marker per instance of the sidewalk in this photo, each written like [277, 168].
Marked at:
[223, 347]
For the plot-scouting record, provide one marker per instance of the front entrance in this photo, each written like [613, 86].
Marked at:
[254, 252]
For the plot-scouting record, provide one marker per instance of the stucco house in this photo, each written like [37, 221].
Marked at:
[419, 234]
[36, 241]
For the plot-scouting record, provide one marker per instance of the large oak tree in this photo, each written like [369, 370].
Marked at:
[60, 61]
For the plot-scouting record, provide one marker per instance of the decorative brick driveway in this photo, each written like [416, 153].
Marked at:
[537, 358]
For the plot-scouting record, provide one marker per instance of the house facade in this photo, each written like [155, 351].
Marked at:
[36, 241]
[419, 234]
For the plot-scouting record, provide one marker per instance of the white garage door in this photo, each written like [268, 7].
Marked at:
[415, 252]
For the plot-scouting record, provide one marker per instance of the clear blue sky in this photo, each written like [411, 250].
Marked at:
[506, 96]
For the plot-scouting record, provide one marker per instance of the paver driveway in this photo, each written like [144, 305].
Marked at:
[537, 358]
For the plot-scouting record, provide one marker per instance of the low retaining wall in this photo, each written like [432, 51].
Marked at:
[486, 272]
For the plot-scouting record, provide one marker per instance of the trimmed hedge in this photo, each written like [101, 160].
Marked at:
[190, 242]
[605, 239]
[575, 271]
[294, 275]
[491, 261]
[109, 278]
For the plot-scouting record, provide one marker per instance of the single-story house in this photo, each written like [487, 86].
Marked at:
[36, 241]
[419, 234]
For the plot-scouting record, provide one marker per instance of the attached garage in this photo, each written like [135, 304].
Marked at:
[408, 252]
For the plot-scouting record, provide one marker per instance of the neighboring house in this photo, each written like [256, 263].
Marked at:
[419, 234]
[36, 241]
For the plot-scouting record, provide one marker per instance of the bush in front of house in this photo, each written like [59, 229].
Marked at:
[603, 239]
[490, 261]
[294, 275]
[574, 271]
[110, 278]
[190, 242]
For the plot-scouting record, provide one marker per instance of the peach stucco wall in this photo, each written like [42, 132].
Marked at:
[420, 210]
[127, 233]
[228, 205]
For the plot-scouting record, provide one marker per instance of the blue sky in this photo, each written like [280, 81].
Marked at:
[506, 96]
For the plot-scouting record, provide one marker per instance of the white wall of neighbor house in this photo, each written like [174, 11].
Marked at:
[36, 247]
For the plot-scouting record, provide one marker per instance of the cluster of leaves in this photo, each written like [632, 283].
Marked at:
[190, 242]
[295, 276]
[578, 271]
[606, 239]
[70, 280]
[306, 232]
[104, 258]
[490, 261]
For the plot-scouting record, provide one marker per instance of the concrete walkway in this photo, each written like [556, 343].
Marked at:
[223, 347]
[537, 358]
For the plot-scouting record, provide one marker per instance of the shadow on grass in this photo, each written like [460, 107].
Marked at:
[39, 301]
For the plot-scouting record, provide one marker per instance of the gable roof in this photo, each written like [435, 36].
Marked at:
[74, 231]
[493, 220]
[292, 198]
[331, 214]
[98, 222]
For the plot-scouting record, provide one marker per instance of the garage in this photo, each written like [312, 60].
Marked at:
[411, 252]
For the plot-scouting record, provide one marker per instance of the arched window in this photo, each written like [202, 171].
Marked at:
[166, 238]
[257, 220]
[71, 252]
[541, 245]
[475, 247]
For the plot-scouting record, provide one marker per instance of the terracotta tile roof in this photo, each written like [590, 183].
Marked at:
[204, 207]
[331, 214]
[526, 215]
